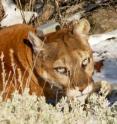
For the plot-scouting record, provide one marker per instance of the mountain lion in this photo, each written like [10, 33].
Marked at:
[62, 59]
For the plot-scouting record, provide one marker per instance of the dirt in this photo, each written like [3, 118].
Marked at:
[103, 19]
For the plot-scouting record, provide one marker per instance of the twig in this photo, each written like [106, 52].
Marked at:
[22, 13]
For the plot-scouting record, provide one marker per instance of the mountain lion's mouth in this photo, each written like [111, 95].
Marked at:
[75, 93]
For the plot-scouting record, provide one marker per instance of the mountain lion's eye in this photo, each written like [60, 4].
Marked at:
[85, 62]
[61, 70]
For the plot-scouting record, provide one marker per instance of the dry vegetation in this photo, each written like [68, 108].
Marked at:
[30, 109]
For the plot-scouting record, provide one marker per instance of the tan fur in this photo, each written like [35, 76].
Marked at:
[57, 59]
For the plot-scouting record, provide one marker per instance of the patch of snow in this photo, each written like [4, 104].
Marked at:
[105, 48]
[97, 38]
[13, 15]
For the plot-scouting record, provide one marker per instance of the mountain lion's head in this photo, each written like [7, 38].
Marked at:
[64, 58]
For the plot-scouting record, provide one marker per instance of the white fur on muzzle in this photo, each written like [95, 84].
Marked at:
[81, 96]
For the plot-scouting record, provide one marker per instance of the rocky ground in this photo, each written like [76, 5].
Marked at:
[102, 14]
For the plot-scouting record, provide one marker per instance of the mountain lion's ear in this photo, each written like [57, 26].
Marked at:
[81, 27]
[37, 43]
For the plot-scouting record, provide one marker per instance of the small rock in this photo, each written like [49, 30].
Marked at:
[48, 28]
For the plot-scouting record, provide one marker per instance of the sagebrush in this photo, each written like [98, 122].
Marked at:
[30, 109]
